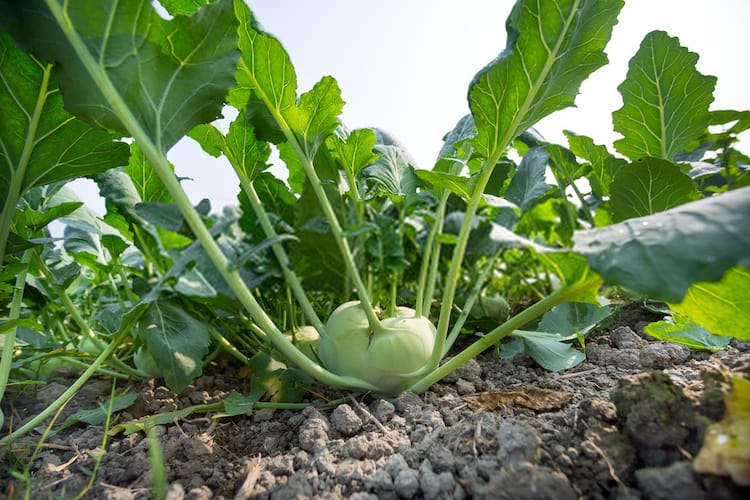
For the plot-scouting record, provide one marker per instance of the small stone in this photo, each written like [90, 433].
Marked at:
[345, 421]
[623, 337]
[295, 488]
[313, 433]
[674, 481]
[263, 415]
[464, 387]
[383, 410]
[175, 492]
[663, 355]
[406, 483]
[518, 442]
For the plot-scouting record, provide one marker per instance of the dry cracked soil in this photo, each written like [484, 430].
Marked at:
[623, 425]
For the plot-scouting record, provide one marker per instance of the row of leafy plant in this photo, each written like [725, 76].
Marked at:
[358, 271]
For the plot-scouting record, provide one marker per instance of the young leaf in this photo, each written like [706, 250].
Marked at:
[682, 330]
[721, 307]
[176, 340]
[665, 100]
[145, 181]
[356, 151]
[661, 255]
[266, 75]
[571, 318]
[550, 350]
[553, 46]
[648, 186]
[393, 174]
[171, 75]
[528, 185]
[604, 166]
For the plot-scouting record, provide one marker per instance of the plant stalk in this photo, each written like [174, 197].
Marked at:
[516, 322]
[155, 154]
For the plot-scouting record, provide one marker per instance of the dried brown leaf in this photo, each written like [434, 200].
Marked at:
[540, 400]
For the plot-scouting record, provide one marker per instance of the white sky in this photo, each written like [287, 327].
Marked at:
[405, 65]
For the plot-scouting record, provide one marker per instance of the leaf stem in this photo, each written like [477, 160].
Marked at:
[278, 249]
[9, 338]
[516, 322]
[154, 153]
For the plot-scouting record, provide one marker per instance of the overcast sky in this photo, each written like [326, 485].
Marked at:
[405, 65]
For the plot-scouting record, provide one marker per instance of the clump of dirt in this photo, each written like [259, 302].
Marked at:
[631, 421]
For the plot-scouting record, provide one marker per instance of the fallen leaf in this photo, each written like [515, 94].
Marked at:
[726, 447]
[535, 399]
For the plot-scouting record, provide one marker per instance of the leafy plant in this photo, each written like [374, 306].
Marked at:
[395, 257]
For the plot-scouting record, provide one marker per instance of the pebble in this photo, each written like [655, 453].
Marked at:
[345, 421]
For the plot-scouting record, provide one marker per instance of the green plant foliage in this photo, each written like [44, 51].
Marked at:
[552, 47]
[721, 307]
[680, 329]
[176, 339]
[167, 76]
[661, 255]
[665, 100]
[649, 186]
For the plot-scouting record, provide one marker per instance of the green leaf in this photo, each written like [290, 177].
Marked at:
[527, 185]
[248, 155]
[550, 350]
[393, 174]
[40, 142]
[649, 186]
[456, 184]
[665, 100]
[237, 404]
[572, 318]
[354, 152]
[552, 47]
[177, 341]
[604, 166]
[171, 74]
[683, 330]
[574, 272]
[661, 255]
[145, 181]
[266, 75]
[721, 307]
[316, 116]
[97, 416]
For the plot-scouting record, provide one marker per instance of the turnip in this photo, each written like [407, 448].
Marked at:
[391, 356]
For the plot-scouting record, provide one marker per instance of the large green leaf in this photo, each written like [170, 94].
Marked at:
[648, 186]
[661, 255]
[176, 339]
[40, 142]
[722, 307]
[266, 75]
[553, 46]
[665, 100]
[170, 74]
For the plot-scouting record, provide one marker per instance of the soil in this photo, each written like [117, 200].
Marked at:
[623, 425]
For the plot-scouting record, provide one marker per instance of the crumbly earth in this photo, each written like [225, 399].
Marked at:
[637, 416]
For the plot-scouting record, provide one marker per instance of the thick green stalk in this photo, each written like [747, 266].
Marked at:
[473, 295]
[338, 232]
[430, 261]
[449, 287]
[9, 339]
[278, 249]
[17, 177]
[154, 153]
[516, 322]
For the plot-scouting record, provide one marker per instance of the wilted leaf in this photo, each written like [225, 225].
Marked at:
[726, 446]
[541, 400]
